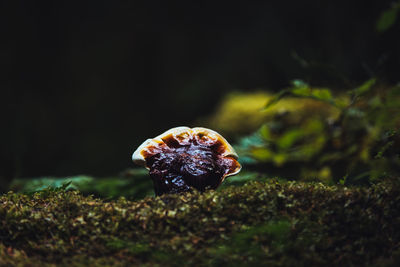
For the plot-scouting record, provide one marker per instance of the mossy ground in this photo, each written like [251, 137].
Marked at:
[260, 223]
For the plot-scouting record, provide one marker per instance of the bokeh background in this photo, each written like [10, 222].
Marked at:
[83, 84]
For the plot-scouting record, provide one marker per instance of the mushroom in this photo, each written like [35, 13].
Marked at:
[183, 158]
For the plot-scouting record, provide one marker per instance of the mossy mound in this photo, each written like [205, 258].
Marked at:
[274, 224]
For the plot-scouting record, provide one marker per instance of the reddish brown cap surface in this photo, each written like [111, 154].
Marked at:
[182, 158]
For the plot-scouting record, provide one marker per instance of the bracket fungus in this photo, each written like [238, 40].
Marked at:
[183, 158]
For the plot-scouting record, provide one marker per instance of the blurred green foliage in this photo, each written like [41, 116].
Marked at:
[274, 224]
[243, 113]
[132, 183]
[304, 133]
[348, 138]
[388, 18]
[238, 114]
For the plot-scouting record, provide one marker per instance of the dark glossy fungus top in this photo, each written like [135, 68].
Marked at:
[177, 167]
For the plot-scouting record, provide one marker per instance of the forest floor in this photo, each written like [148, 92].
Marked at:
[260, 223]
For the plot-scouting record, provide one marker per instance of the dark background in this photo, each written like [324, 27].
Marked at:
[83, 84]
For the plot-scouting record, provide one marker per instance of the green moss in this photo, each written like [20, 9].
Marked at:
[260, 223]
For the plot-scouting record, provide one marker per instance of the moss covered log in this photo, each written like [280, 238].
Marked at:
[279, 224]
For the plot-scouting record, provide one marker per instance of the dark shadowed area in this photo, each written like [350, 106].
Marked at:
[83, 84]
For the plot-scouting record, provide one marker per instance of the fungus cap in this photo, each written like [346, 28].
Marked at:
[200, 147]
[182, 134]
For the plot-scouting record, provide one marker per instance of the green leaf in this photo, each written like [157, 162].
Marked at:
[365, 87]
[344, 180]
[387, 18]
[262, 154]
[65, 185]
[299, 83]
[302, 91]
[265, 133]
[276, 98]
[322, 94]
[290, 137]
[300, 88]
